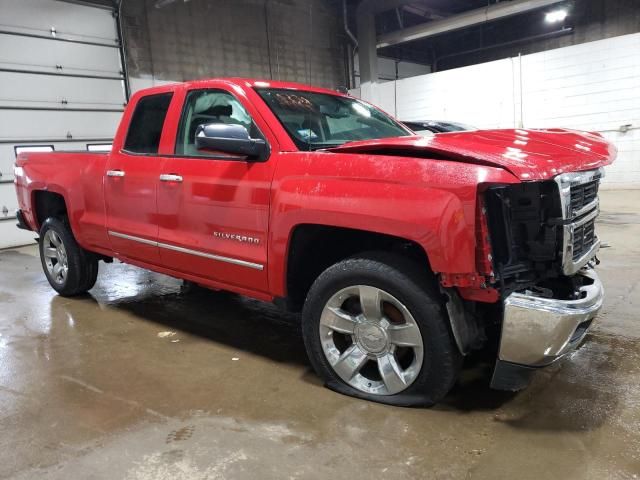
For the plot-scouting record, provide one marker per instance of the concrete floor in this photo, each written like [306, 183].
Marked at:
[142, 381]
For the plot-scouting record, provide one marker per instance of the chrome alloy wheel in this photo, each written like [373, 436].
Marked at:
[371, 340]
[55, 257]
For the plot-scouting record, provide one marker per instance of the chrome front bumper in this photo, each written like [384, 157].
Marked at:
[537, 331]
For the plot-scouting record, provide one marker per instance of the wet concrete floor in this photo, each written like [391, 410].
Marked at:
[140, 380]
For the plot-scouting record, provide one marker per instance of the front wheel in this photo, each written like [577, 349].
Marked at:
[70, 269]
[374, 328]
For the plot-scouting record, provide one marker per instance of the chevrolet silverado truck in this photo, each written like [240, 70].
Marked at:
[402, 253]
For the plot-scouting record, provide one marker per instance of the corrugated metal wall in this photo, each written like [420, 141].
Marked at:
[297, 40]
[592, 86]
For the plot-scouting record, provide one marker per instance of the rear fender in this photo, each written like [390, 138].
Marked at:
[80, 183]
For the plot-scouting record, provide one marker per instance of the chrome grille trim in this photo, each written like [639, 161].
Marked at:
[576, 214]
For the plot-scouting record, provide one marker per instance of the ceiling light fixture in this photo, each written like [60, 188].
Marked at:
[556, 16]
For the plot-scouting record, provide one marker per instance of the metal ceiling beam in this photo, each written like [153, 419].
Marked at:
[426, 12]
[106, 4]
[462, 20]
[378, 6]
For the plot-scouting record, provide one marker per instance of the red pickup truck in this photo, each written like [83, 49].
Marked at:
[403, 253]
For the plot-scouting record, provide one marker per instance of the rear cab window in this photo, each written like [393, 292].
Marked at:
[145, 128]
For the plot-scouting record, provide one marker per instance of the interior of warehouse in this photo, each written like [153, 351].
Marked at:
[158, 372]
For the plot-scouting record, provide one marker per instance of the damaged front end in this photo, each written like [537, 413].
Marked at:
[543, 245]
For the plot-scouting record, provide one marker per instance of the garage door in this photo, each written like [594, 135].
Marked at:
[61, 86]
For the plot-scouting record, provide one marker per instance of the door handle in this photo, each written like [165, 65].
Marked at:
[115, 173]
[170, 177]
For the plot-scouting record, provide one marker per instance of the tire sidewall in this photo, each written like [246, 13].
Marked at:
[425, 307]
[76, 258]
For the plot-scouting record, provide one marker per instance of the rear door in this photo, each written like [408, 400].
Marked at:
[213, 208]
[131, 182]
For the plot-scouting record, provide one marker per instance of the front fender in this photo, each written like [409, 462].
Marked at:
[438, 214]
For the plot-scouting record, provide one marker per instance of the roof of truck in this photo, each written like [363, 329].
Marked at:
[241, 82]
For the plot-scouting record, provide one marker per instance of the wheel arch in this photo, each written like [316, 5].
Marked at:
[312, 248]
[47, 203]
[54, 201]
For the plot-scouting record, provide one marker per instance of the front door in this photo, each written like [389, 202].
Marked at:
[213, 209]
[131, 183]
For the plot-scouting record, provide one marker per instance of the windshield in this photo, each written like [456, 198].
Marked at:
[320, 120]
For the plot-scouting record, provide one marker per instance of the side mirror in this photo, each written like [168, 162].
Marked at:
[232, 139]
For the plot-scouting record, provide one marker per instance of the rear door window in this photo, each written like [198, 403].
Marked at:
[146, 124]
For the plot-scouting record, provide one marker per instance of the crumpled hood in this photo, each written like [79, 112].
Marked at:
[527, 154]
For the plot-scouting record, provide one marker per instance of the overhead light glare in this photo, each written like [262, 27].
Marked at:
[556, 16]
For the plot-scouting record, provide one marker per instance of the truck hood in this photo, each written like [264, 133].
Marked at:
[527, 154]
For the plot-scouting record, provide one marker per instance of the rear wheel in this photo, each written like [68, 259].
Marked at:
[375, 328]
[70, 269]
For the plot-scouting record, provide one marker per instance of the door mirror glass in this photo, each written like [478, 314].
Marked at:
[230, 139]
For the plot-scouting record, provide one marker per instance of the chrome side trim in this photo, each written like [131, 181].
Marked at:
[235, 261]
[175, 248]
[132, 238]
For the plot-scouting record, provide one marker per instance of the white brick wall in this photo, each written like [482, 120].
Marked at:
[592, 86]
[389, 69]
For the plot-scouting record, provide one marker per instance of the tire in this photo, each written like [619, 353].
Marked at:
[69, 268]
[398, 349]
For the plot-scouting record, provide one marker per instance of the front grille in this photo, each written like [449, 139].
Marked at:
[579, 198]
[583, 238]
[584, 194]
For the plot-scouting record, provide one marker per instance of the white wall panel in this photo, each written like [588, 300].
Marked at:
[382, 95]
[390, 69]
[23, 89]
[7, 192]
[483, 96]
[34, 125]
[11, 236]
[53, 56]
[42, 55]
[69, 20]
[593, 86]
